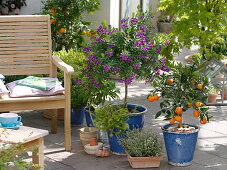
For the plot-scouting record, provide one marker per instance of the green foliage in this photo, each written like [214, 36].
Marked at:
[111, 118]
[9, 161]
[184, 89]
[68, 15]
[199, 22]
[83, 91]
[142, 143]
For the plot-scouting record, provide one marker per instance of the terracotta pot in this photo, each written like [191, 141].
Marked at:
[165, 27]
[93, 142]
[225, 94]
[87, 133]
[212, 98]
[144, 162]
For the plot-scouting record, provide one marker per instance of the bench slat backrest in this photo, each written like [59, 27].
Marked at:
[25, 45]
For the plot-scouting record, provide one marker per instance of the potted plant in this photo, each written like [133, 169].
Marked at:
[130, 53]
[212, 94]
[183, 88]
[143, 148]
[165, 21]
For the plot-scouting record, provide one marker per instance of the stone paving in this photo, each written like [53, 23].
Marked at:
[211, 150]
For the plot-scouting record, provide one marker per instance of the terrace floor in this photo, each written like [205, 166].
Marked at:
[211, 150]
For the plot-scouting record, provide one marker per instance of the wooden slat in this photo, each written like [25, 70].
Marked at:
[32, 41]
[25, 71]
[24, 52]
[34, 18]
[24, 38]
[13, 66]
[24, 34]
[23, 27]
[15, 59]
[24, 45]
[30, 62]
[23, 48]
[21, 23]
[22, 30]
[24, 55]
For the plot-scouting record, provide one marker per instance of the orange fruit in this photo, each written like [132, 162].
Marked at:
[203, 120]
[150, 98]
[52, 21]
[61, 30]
[178, 110]
[196, 113]
[169, 81]
[172, 120]
[198, 104]
[200, 86]
[156, 97]
[189, 104]
[53, 11]
[178, 118]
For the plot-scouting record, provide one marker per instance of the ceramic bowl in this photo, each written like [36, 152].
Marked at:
[92, 149]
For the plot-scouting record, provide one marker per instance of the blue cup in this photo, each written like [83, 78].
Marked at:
[9, 119]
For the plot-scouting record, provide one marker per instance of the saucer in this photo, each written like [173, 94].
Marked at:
[15, 125]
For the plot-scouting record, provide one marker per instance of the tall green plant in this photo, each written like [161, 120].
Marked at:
[66, 20]
[199, 22]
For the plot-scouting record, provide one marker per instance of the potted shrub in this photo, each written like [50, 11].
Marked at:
[131, 52]
[143, 148]
[212, 94]
[184, 87]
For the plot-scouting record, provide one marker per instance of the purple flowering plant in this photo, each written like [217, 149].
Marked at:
[131, 52]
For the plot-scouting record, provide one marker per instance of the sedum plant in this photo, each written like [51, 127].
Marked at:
[142, 143]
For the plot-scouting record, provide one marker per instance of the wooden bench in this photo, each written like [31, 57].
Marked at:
[26, 49]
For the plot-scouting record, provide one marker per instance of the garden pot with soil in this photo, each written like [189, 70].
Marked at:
[87, 133]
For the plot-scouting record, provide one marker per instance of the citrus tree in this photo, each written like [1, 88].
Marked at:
[182, 88]
[66, 20]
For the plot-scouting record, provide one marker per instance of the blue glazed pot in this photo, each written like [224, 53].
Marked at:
[180, 147]
[136, 120]
[77, 116]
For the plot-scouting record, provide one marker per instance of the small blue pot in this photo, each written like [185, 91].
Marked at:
[136, 120]
[180, 147]
[77, 116]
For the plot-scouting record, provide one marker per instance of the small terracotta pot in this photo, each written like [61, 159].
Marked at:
[212, 98]
[93, 142]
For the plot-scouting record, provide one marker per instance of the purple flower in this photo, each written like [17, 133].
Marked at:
[111, 46]
[109, 53]
[163, 60]
[100, 39]
[86, 49]
[77, 80]
[88, 75]
[92, 57]
[138, 43]
[142, 28]
[146, 49]
[167, 42]
[134, 20]
[158, 50]
[106, 67]
[147, 57]
[97, 62]
[123, 25]
[133, 76]
[150, 44]
[117, 69]
[136, 66]
[96, 85]
[140, 56]
[124, 57]
[85, 86]
[129, 81]
[129, 59]
[124, 20]
[88, 67]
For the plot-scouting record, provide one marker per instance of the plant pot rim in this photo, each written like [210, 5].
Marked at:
[165, 127]
[94, 130]
[147, 158]
[135, 114]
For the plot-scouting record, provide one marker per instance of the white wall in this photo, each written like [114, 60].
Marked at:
[33, 6]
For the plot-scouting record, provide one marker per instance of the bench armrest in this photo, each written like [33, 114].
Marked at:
[62, 65]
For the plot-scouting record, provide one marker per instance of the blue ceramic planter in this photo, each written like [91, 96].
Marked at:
[136, 120]
[89, 118]
[77, 116]
[180, 147]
